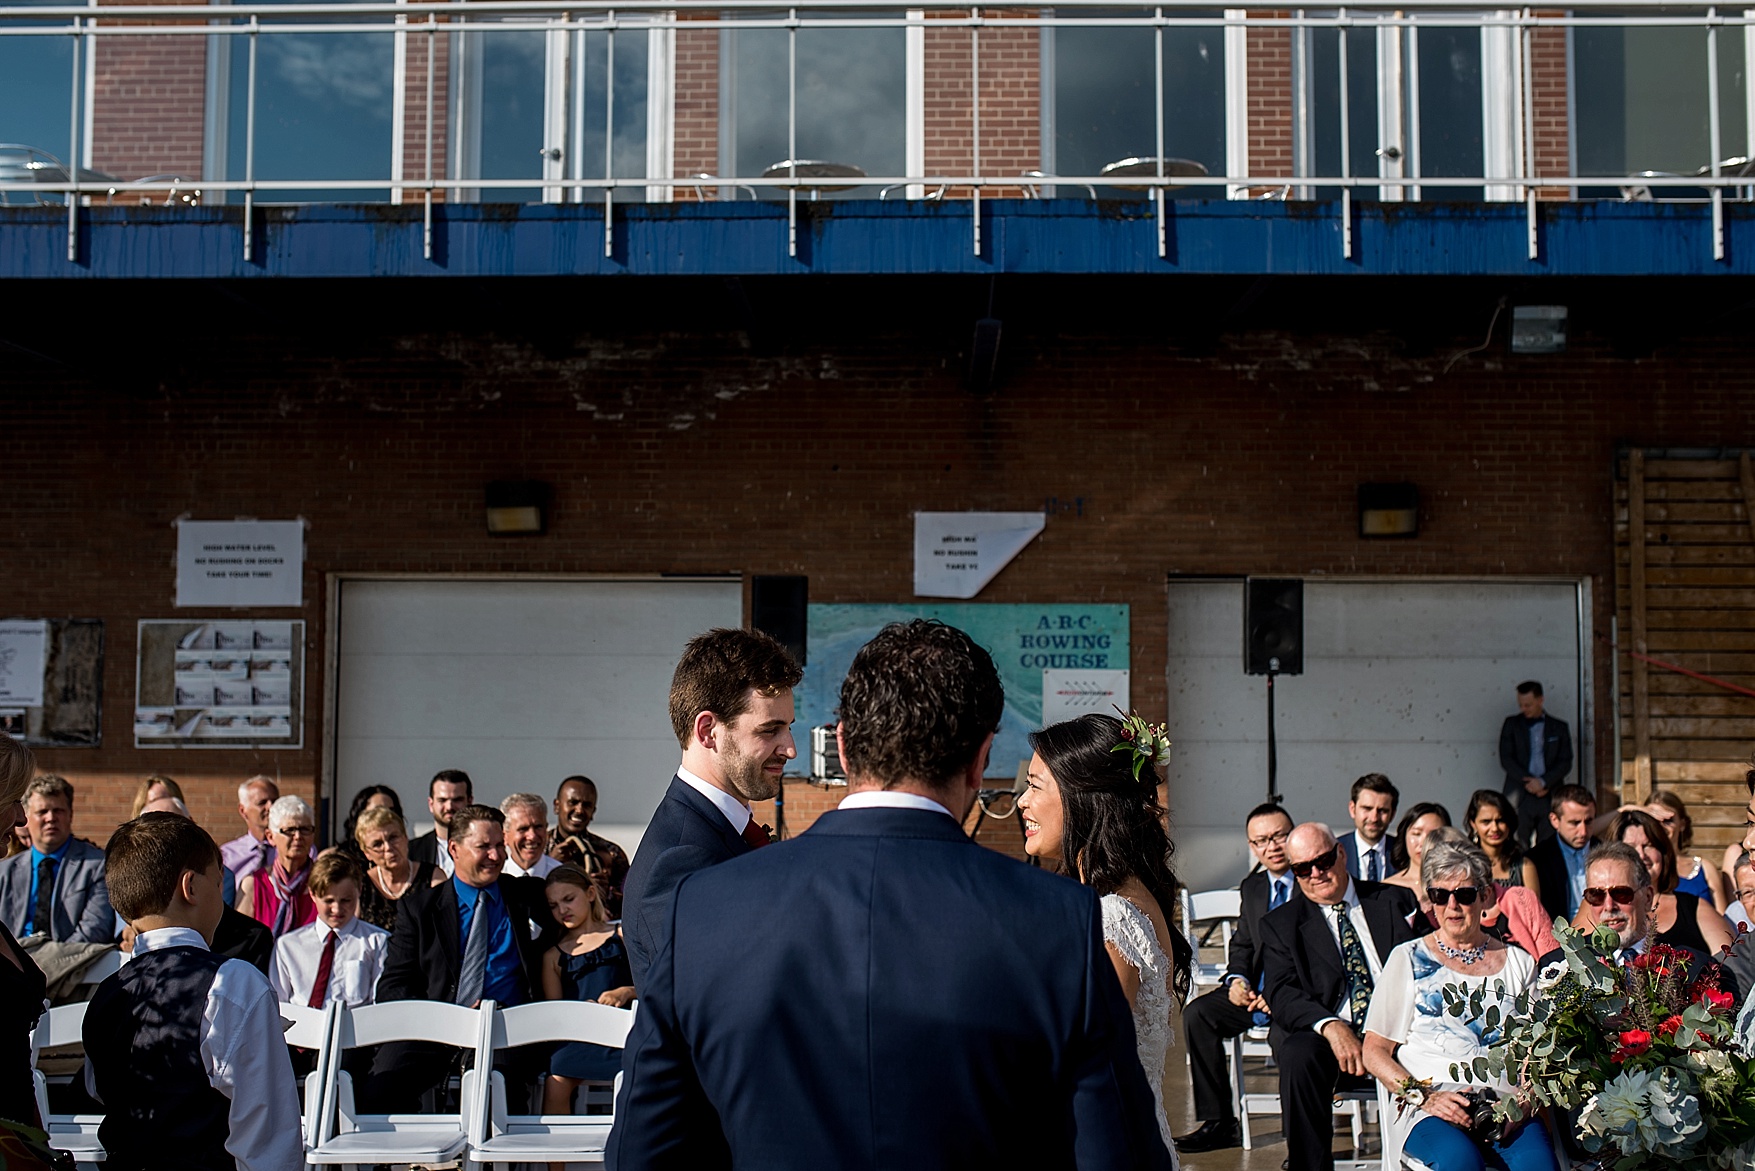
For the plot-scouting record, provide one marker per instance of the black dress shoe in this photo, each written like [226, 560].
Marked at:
[1212, 1135]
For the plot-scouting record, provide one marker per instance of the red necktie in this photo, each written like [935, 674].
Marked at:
[320, 986]
[755, 835]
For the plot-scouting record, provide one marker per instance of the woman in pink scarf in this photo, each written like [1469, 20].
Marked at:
[277, 896]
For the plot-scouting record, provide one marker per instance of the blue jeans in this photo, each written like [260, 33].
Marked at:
[1443, 1147]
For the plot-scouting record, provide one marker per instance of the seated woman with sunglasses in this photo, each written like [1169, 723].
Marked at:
[1679, 918]
[1411, 1041]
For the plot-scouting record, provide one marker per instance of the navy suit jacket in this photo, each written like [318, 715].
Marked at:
[1350, 843]
[81, 910]
[687, 834]
[883, 992]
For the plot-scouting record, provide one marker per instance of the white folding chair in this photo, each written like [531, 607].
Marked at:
[1225, 906]
[503, 1137]
[344, 1135]
[75, 1133]
[314, 1029]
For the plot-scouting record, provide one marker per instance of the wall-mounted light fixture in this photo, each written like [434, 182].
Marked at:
[517, 508]
[1538, 329]
[1389, 510]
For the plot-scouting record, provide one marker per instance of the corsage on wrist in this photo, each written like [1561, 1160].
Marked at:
[1410, 1094]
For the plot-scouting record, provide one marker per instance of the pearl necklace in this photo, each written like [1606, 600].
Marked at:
[1462, 955]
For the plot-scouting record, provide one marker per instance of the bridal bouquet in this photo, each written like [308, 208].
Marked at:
[1642, 1054]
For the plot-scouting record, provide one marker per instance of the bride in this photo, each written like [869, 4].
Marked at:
[1091, 807]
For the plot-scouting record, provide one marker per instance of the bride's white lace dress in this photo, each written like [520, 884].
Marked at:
[1155, 1012]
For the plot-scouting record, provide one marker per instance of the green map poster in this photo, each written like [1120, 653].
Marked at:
[1024, 640]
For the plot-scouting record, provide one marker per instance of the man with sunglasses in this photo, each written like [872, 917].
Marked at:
[1232, 1009]
[1323, 954]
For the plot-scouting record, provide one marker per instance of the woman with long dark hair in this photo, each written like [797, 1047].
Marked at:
[1091, 808]
[370, 797]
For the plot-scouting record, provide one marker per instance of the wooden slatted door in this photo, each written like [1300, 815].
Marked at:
[1685, 597]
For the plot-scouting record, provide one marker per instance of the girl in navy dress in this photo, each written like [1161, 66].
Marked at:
[589, 962]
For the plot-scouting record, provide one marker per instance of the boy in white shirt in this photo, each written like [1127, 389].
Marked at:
[338, 957]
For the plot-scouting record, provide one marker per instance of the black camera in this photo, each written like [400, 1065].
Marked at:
[1483, 1127]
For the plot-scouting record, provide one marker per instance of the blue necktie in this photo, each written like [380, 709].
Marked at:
[1278, 898]
[472, 972]
[1374, 875]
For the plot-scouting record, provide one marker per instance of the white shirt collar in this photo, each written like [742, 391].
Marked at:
[1352, 897]
[890, 799]
[165, 937]
[735, 811]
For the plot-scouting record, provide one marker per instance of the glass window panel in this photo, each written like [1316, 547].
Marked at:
[512, 65]
[1450, 109]
[1104, 91]
[323, 106]
[632, 69]
[36, 92]
[851, 101]
[1642, 102]
[1325, 105]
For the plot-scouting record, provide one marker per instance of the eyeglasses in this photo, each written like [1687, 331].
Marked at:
[1465, 896]
[1278, 839]
[1623, 895]
[1324, 862]
[297, 831]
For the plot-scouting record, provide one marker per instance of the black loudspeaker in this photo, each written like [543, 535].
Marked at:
[1273, 626]
[777, 607]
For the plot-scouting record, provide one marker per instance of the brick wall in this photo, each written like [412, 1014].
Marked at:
[1209, 426]
[695, 147]
[423, 45]
[1550, 148]
[148, 95]
[1010, 104]
[1268, 96]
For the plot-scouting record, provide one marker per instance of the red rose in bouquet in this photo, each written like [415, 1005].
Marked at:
[1633, 1043]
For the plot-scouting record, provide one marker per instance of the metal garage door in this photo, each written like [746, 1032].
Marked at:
[1407, 678]
[518, 683]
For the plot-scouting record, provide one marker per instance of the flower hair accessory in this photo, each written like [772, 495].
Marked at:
[1147, 742]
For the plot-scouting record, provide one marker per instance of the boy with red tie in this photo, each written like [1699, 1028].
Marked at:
[339, 956]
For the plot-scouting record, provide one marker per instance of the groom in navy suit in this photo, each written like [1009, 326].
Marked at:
[731, 709]
[882, 992]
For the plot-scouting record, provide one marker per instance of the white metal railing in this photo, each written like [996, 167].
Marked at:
[1520, 172]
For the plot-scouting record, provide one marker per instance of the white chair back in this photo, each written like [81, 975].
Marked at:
[411, 1020]
[102, 968]
[561, 1020]
[75, 1133]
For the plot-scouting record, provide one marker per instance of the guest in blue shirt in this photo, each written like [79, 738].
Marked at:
[477, 937]
[1560, 861]
[56, 888]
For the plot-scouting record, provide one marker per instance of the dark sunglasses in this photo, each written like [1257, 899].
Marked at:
[1594, 895]
[1465, 896]
[1320, 862]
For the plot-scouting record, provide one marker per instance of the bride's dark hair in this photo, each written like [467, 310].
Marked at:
[1114, 826]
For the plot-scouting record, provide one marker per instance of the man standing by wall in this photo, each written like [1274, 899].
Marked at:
[251, 851]
[606, 862]
[1371, 805]
[1535, 750]
[449, 791]
[731, 709]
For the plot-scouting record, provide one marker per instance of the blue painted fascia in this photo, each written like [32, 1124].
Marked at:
[1592, 238]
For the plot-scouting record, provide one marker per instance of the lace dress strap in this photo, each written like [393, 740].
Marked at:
[1130, 930]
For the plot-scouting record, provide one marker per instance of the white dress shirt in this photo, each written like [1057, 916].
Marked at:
[1381, 849]
[735, 811]
[544, 865]
[890, 799]
[443, 857]
[244, 1058]
[353, 976]
[1355, 912]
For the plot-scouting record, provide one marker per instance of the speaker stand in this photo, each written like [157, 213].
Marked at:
[1273, 750]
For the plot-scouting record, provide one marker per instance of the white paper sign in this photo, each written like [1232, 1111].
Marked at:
[23, 650]
[241, 563]
[957, 553]
[1067, 695]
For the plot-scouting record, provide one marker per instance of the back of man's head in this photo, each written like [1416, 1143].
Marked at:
[147, 856]
[918, 703]
[718, 672]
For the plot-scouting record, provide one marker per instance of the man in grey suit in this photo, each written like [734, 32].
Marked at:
[56, 888]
